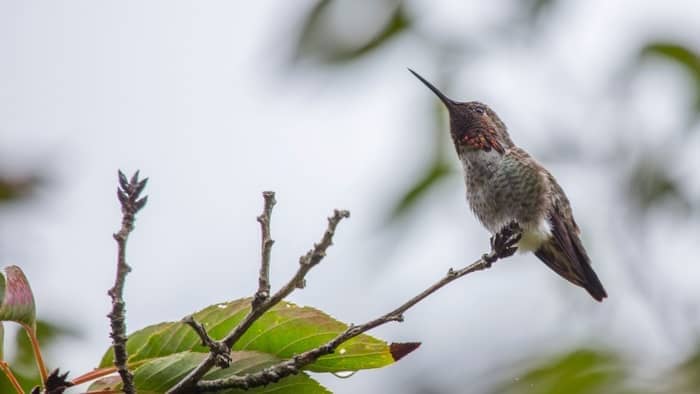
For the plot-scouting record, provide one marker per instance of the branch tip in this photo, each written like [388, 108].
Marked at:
[135, 177]
[128, 194]
[266, 242]
[220, 350]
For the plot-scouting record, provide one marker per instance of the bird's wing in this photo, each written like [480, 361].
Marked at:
[565, 253]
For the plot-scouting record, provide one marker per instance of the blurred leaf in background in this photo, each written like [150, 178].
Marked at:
[587, 371]
[13, 189]
[336, 32]
[651, 184]
[440, 167]
[684, 57]
[438, 171]
[22, 364]
[18, 187]
[536, 8]
[581, 371]
[685, 379]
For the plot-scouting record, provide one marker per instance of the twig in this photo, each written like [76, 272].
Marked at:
[223, 353]
[306, 263]
[266, 241]
[128, 194]
[502, 245]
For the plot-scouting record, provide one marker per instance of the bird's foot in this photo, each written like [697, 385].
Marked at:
[504, 243]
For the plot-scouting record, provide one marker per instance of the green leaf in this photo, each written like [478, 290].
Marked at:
[651, 184]
[436, 172]
[688, 59]
[16, 298]
[284, 331]
[398, 22]
[2, 341]
[579, 372]
[318, 39]
[159, 374]
[310, 25]
[135, 342]
[107, 384]
[675, 52]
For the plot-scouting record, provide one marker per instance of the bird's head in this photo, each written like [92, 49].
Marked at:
[473, 125]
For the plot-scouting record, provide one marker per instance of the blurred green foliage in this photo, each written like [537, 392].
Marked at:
[589, 371]
[686, 58]
[651, 184]
[321, 41]
[581, 371]
[536, 8]
[22, 363]
[435, 173]
[16, 188]
[685, 379]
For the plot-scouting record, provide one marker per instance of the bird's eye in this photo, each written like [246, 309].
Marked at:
[479, 110]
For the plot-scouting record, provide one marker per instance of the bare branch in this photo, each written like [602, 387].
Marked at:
[128, 194]
[502, 245]
[223, 353]
[315, 255]
[306, 263]
[263, 292]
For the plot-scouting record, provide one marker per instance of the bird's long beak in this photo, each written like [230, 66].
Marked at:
[449, 103]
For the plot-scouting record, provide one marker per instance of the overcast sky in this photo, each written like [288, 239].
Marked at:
[196, 96]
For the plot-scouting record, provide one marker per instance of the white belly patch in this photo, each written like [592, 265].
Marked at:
[534, 236]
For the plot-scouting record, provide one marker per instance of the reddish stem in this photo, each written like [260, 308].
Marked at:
[31, 333]
[11, 377]
[94, 374]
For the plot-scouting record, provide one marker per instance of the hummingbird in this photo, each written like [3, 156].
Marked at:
[506, 186]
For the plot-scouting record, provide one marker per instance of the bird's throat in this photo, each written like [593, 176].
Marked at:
[485, 141]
